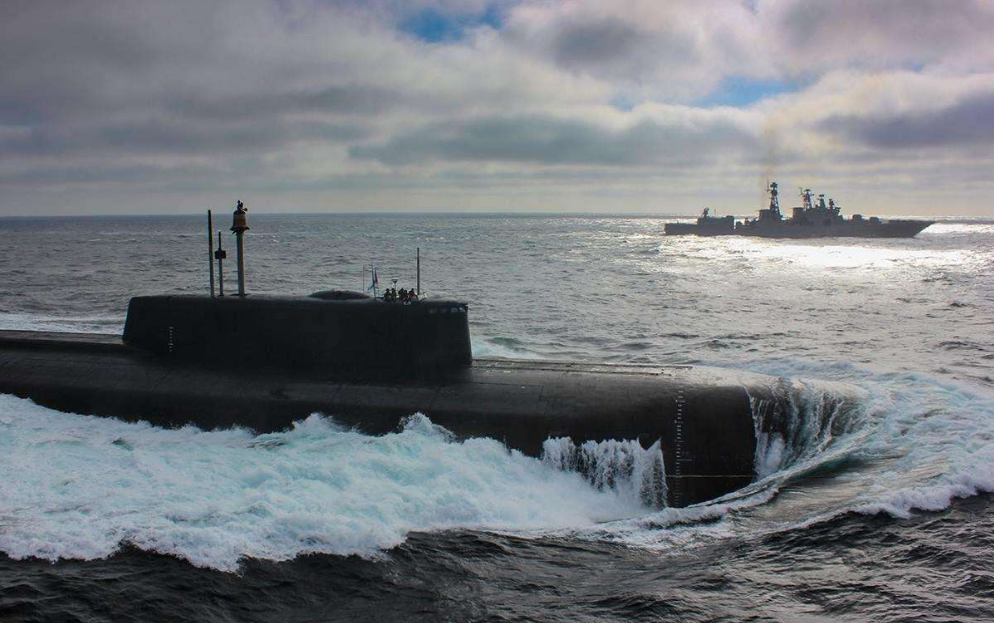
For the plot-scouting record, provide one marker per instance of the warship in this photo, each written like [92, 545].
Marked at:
[812, 219]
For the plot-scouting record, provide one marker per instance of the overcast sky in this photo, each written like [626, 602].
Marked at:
[473, 105]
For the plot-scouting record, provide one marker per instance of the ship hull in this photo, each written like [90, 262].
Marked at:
[885, 229]
[690, 229]
[703, 418]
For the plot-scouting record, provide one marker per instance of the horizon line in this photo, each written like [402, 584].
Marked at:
[519, 213]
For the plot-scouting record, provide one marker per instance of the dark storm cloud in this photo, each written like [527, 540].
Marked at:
[967, 122]
[548, 140]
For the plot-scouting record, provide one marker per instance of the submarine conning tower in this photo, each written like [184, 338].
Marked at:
[340, 334]
[330, 333]
[264, 362]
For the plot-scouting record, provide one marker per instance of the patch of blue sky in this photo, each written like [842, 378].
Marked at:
[741, 92]
[435, 26]
[623, 103]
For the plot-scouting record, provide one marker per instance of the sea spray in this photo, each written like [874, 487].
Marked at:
[81, 487]
[939, 442]
[801, 420]
[804, 427]
[912, 440]
[621, 466]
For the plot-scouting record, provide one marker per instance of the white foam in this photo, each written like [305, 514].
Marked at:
[80, 487]
[803, 421]
[495, 348]
[940, 439]
[624, 466]
[918, 442]
[904, 443]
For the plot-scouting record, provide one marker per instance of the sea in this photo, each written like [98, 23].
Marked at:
[885, 516]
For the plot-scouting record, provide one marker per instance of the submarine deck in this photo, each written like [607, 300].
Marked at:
[109, 343]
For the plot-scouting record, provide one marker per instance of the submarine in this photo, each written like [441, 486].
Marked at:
[263, 362]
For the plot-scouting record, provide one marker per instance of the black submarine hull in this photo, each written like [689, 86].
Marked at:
[703, 418]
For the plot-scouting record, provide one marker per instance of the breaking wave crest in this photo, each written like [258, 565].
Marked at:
[865, 443]
[801, 420]
[623, 466]
[875, 443]
[82, 487]
[900, 442]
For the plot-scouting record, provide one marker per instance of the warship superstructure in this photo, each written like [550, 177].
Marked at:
[812, 219]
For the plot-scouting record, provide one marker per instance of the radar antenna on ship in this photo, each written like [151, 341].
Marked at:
[771, 188]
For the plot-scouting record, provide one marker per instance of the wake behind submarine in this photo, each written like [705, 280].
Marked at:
[263, 362]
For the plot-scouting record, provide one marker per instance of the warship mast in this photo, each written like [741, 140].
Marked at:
[775, 200]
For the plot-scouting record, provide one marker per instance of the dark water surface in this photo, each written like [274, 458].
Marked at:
[929, 568]
[885, 519]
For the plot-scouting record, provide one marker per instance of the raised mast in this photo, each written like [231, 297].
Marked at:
[774, 199]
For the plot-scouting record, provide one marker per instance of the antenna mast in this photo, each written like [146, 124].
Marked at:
[210, 248]
[774, 198]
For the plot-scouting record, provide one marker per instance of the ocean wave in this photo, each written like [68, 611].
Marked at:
[82, 487]
[802, 421]
[865, 442]
[918, 431]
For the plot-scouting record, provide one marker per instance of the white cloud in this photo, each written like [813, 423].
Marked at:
[810, 36]
[330, 100]
[655, 48]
